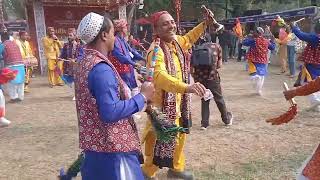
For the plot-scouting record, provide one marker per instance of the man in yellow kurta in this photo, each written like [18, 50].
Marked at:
[26, 53]
[52, 47]
[171, 78]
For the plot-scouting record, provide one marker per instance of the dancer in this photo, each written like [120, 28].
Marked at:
[6, 75]
[124, 57]
[311, 59]
[311, 170]
[258, 57]
[107, 133]
[171, 78]
[13, 60]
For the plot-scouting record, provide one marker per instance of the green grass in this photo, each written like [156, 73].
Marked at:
[275, 168]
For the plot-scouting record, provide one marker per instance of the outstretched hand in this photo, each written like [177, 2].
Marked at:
[197, 89]
[289, 94]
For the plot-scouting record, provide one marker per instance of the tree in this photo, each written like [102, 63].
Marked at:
[14, 8]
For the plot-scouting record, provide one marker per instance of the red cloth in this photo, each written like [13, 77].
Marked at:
[259, 53]
[311, 54]
[94, 134]
[312, 169]
[7, 75]
[12, 54]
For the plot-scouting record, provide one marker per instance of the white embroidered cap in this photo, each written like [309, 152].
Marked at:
[90, 27]
[260, 30]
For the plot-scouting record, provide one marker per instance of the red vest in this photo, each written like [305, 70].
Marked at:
[12, 54]
[311, 54]
[121, 68]
[94, 135]
[259, 53]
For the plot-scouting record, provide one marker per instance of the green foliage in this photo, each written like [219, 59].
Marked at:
[14, 8]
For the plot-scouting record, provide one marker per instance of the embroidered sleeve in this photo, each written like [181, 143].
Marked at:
[161, 77]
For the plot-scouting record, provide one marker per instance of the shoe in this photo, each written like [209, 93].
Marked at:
[4, 122]
[26, 89]
[14, 100]
[60, 84]
[203, 128]
[230, 121]
[74, 98]
[51, 85]
[185, 175]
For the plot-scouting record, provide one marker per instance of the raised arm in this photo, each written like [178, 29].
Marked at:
[311, 38]
[192, 36]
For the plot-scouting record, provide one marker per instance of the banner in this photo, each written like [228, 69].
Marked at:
[62, 18]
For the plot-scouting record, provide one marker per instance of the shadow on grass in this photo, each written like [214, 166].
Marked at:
[276, 168]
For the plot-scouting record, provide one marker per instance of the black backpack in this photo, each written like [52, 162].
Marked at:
[203, 55]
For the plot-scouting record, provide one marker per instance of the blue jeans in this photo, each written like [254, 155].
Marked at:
[292, 59]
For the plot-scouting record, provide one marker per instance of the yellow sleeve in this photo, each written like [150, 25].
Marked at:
[192, 36]
[30, 53]
[60, 44]
[46, 43]
[161, 77]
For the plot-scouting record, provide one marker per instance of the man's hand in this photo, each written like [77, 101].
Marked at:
[54, 37]
[137, 66]
[140, 78]
[197, 89]
[147, 89]
[293, 24]
[289, 94]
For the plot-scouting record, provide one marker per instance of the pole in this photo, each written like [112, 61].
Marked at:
[226, 9]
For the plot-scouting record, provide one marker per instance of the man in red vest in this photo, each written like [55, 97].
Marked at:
[107, 132]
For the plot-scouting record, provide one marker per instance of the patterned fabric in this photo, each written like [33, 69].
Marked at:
[164, 151]
[259, 53]
[121, 68]
[12, 54]
[312, 54]
[69, 51]
[205, 73]
[121, 136]
[312, 169]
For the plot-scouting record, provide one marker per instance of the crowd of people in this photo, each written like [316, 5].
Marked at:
[100, 61]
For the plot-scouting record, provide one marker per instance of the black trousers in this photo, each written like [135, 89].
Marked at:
[215, 88]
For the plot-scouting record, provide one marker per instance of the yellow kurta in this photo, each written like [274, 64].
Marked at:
[52, 52]
[166, 83]
[26, 52]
